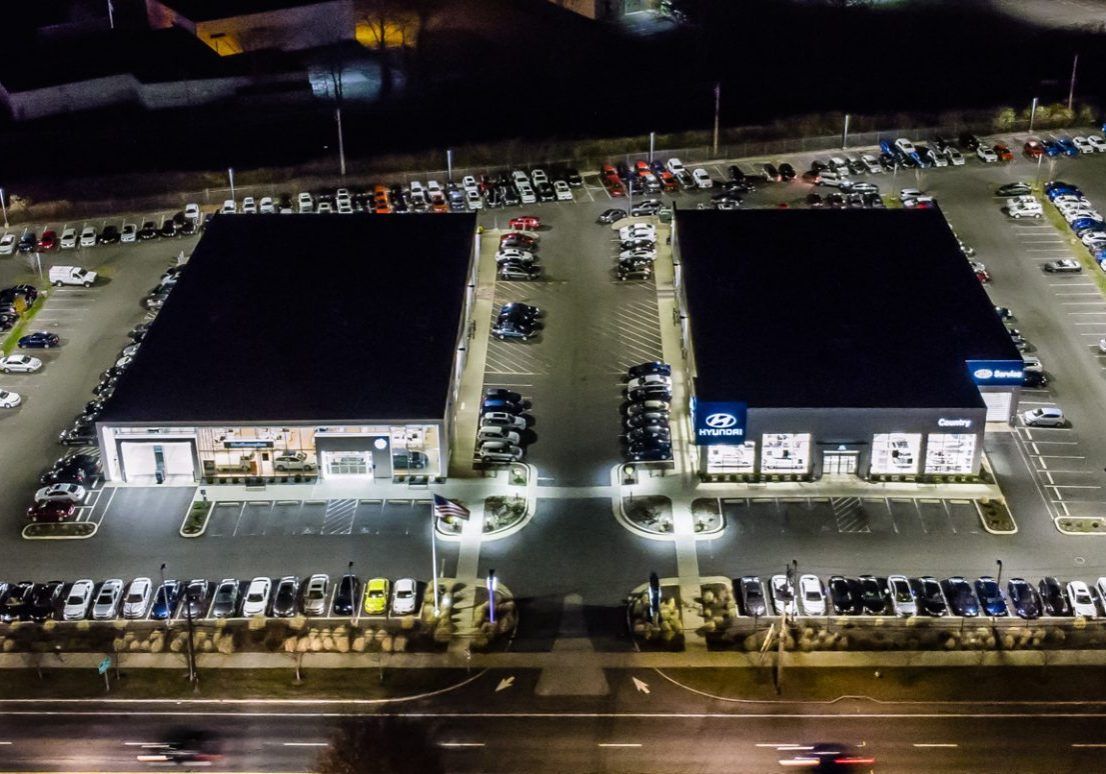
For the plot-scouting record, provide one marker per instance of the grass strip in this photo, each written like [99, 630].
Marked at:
[20, 327]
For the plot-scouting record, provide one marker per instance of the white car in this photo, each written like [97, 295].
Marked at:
[266, 207]
[499, 451]
[68, 238]
[404, 596]
[1100, 587]
[638, 231]
[503, 419]
[78, 601]
[701, 178]
[88, 236]
[1045, 416]
[345, 207]
[538, 176]
[1082, 603]
[902, 596]
[473, 199]
[871, 164]
[7, 244]
[305, 202]
[563, 192]
[249, 206]
[324, 208]
[526, 193]
[1082, 144]
[1022, 209]
[1092, 238]
[1063, 266]
[192, 211]
[783, 595]
[1102, 346]
[19, 364]
[468, 182]
[675, 166]
[648, 379]
[344, 194]
[129, 232]
[514, 254]
[106, 605]
[9, 399]
[986, 153]
[1097, 142]
[229, 207]
[638, 253]
[518, 177]
[497, 433]
[905, 146]
[257, 597]
[124, 361]
[954, 156]
[936, 159]
[812, 595]
[137, 599]
[1032, 364]
[69, 493]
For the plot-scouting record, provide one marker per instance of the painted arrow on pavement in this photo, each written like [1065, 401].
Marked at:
[505, 683]
[641, 685]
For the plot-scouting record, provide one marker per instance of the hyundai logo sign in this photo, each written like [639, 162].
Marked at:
[719, 423]
[997, 373]
[721, 420]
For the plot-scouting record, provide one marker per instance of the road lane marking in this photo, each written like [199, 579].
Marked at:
[619, 744]
[305, 744]
[460, 744]
[1089, 744]
[935, 744]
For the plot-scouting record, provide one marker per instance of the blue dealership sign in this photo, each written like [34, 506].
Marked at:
[719, 423]
[997, 373]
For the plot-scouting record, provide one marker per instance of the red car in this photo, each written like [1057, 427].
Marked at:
[525, 223]
[1003, 152]
[55, 510]
[642, 167]
[516, 239]
[614, 186]
[48, 240]
[1034, 149]
[669, 181]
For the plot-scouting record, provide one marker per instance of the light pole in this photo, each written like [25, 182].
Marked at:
[4, 207]
[434, 560]
[111, 15]
[1071, 89]
[1032, 114]
[449, 164]
[652, 145]
[845, 134]
[230, 175]
[353, 589]
[492, 582]
[998, 580]
[717, 105]
[193, 678]
[165, 596]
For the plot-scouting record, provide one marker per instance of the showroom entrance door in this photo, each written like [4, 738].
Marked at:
[839, 463]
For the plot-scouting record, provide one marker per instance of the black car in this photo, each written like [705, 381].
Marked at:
[649, 454]
[990, 597]
[873, 595]
[837, 200]
[188, 229]
[572, 177]
[81, 433]
[1054, 601]
[844, 594]
[168, 229]
[509, 196]
[45, 601]
[815, 200]
[633, 271]
[647, 419]
[347, 596]
[787, 172]
[887, 161]
[928, 596]
[196, 595]
[941, 143]
[654, 367]
[1034, 379]
[610, 216]
[518, 311]
[286, 596]
[492, 198]
[1024, 598]
[650, 434]
[109, 236]
[14, 604]
[771, 174]
[960, 596]
[27, 242]
[750, 591]
[1014, 189]
[148, 230]
[969, 141]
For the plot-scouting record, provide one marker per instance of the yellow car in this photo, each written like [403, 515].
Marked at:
[376, 597]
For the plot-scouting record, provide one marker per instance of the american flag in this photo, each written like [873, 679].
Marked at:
[444, 508]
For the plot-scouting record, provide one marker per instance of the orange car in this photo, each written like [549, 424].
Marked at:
[381, 206]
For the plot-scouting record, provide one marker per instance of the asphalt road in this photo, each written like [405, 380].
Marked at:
[481, 729]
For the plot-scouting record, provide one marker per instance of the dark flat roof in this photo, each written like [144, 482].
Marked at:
[306, 317]
[834, 308]
[208, 10]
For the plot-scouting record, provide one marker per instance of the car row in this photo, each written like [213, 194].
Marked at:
[925, 595]
[1085, 221]
[502, 435]
[646, 435]
[516, 321]
[516, 259]
[199, 598]
[636, 251]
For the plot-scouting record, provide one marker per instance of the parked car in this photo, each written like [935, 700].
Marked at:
[961, 599]
[928, 596]
[404, 596]
[1063, 266]
[611, 216]
[62, 492]
[52, 511]
[106, 606]
[315, 594]
[1044, 416]
[1024, 598]
[990, 596]
[751, 595]
[46, 601]
[165, 600]
[783, 596]
[844, 594]
[136, 600]
[346, 595]
[78, 601]
[1082, 603]
[873, 595]
[39, 340]
[195, 599]
[225, 602]
[16, 602]
[377, 592]
[1054, 600]
[811, 594]
[256, 601]
[902, 596]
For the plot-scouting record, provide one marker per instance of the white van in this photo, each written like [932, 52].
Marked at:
[71, 275]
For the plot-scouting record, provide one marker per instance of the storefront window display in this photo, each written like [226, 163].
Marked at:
[731, 458]
[785, 453]
[950, 452]
[896, 453]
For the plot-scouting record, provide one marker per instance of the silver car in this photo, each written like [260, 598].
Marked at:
[315, 594]
[404, 596]
[902, 596]
[106, 606]
[137, 599]
[78, 601]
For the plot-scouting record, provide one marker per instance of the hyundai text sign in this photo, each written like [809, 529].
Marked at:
[997, 372]
[720, 423]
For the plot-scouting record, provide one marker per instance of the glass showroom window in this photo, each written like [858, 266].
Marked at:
[896, 453]
[785, 453]
[731, 458]
[950, 453]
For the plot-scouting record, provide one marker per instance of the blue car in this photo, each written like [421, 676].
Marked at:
[886, 146]
[165, 600]
[1067, 146]
[1080, 225]
[39, 340]
[990, 596]
[1052, 185]
[1052, 148]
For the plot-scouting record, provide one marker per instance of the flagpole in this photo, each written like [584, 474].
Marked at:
[434, 556]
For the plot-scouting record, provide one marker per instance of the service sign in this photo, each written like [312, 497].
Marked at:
[720, 423]
[997, 373]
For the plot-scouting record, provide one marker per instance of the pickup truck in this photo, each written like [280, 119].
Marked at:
[71, 275]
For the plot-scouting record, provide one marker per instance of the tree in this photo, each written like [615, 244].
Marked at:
[380, 745]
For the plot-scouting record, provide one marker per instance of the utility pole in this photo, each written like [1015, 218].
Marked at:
[230, 176]
[111, 15]
[717, 105]
[652, 145]
[1032, 114]
[845, 134]
[434, 560]
[193, 678]
[1071, 90]
[998, 579]
[4, 207]
[449, 164]
[165, 596]
[336, 79]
